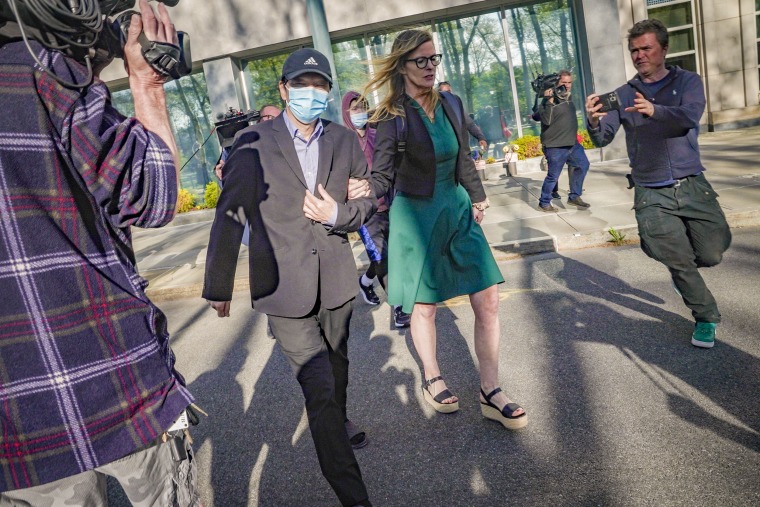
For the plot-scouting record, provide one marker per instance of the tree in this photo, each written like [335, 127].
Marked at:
[265, 73]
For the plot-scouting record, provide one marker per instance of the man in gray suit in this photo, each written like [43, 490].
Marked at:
[289, 178]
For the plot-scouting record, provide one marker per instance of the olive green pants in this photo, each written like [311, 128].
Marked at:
[683, 227]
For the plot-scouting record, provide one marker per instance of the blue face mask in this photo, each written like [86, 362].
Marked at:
[359, 120]
[307, 104]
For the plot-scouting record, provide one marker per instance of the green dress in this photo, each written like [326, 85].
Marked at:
[436, 250]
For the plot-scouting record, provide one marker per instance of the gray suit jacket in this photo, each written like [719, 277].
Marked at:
[292, 259]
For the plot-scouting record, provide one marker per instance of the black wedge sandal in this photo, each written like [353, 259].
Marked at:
[504, 416]
[437, 401]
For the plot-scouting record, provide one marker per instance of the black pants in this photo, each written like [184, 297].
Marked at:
[317, 349]
[376, 243]
[684, 228]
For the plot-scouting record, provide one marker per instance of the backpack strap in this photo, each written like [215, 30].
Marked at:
[401, 132]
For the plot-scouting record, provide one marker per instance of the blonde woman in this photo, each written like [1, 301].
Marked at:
[437, 249]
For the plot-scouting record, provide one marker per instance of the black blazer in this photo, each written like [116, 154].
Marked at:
[292, 260]
[415, 174]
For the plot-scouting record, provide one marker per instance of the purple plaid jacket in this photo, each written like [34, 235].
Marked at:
[86, 372]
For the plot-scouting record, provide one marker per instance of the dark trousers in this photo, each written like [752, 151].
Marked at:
[317, 349]
[556, 159]
[684, 228]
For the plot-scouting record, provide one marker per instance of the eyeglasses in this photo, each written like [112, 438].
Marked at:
[422, 61]
[266, 117]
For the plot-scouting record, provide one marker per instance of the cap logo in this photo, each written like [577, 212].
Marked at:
[310, 61]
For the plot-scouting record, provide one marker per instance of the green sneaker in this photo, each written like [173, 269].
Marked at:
[704, 335]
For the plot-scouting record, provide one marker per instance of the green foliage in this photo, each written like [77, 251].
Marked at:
[529, 147]
[211, 195]
[586, 143]
[185, 201]
[264, 74]
[617, 238]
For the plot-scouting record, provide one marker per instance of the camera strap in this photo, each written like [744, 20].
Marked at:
[162, 56]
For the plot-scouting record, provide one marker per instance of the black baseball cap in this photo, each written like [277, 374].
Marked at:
[306, 60]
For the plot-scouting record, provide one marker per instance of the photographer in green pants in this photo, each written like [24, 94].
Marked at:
[679, 218]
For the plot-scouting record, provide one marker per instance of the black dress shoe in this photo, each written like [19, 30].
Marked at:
[578, 202]
[555, 195]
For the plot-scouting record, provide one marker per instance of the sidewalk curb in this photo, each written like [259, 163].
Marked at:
[501, 252]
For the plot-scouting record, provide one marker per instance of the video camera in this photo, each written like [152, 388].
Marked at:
[549, 82]
[544, 82]
[231, 122]
[85, 31]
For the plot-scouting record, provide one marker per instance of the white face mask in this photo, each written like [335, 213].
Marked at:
[359, 120]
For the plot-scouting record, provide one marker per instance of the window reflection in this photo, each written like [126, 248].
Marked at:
[191, 121]
[262, 75]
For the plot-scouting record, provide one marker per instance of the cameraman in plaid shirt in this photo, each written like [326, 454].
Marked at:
[87, 380]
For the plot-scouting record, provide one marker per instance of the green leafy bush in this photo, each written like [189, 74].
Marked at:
[586, 143]
[185, 201]
[211, 195]
[529, 147]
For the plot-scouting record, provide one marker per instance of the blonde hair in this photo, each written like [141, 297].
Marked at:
[388, 72]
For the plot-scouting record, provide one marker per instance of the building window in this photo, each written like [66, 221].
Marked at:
[191, 122]
[678, 16]
[542, 41]
[351, 64]
[475, 64]
[354, 60]
[263, 75]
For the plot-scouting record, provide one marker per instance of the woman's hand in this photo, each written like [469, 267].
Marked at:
[478, 215]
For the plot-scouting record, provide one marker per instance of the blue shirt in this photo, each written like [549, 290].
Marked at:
[307, 151]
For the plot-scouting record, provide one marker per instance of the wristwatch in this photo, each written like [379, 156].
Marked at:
[482, 206]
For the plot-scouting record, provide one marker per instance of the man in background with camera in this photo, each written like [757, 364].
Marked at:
[680, 221]
[88, 379]
[559, 136]
[268, 112]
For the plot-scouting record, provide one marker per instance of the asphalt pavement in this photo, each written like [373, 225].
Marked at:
[595, 346]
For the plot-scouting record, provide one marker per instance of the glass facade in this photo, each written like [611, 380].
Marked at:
[262, 76]
[489, 58]
[475, 64]
[678, 16]
[192, 123]
[351, 64]
[542, 41]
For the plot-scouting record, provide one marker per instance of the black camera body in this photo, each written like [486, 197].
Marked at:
[89, 36]
[231, 122]
[171, 61]
[610, 101]
[544, 82]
